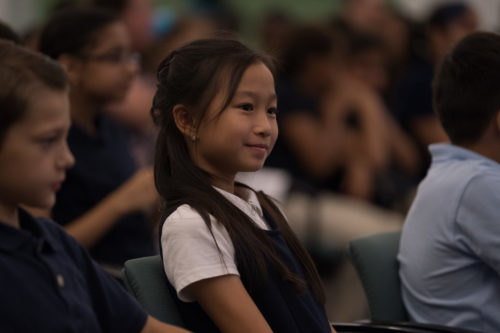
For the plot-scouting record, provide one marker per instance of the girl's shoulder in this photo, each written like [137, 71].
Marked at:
[184, 215]
[183, 211]
[186, 221]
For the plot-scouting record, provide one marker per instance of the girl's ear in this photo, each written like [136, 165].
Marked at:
[71, 65]
[184, 120]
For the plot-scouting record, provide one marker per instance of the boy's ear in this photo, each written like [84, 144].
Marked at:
[71, 65]
[184, 120]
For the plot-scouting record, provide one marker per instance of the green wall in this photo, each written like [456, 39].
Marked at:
[249, 12]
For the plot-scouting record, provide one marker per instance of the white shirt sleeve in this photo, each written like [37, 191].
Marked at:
[190, 253]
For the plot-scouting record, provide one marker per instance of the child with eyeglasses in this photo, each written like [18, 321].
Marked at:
[104, 200]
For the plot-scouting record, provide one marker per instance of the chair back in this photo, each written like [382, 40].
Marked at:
[374, 258]
[145, 279]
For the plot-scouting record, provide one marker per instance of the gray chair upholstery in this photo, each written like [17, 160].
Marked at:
[374, 258]
[145, 279]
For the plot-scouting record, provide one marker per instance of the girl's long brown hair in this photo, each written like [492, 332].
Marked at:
[192, 76]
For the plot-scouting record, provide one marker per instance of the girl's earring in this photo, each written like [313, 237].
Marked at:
[193, 138]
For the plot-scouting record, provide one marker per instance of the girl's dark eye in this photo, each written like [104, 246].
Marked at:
[272, 111]
[246, 107]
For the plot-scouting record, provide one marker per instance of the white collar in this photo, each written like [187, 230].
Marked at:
[246, 206]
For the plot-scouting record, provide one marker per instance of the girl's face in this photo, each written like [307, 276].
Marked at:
[106, 70]
[34, 154]
[241, 137]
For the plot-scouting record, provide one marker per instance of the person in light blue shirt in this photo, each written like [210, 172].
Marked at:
[449, 254]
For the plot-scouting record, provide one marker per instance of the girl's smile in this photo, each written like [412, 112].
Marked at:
[261, 148]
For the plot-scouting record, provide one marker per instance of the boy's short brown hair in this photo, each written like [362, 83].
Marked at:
[21, 73]
[467, 86]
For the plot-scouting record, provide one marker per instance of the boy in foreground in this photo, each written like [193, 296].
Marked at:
[48, 281]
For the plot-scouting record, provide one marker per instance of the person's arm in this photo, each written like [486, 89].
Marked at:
[203, 271]
[137, 194]
[228, 304]
[374, 134]
[155, 326]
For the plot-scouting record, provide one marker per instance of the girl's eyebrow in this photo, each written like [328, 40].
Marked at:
[253, 94]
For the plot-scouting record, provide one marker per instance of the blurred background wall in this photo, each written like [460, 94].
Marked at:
[23, 15]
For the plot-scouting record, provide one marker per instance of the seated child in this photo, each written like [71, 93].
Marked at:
[228, 251]
[449, 254]
[105, 199]
[48, 281]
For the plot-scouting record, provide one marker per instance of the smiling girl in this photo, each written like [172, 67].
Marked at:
[227, 250]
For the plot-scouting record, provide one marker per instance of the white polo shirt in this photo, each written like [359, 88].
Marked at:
[189, 251]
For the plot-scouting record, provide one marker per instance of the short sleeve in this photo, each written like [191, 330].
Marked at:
[191, 254]
[478, 218]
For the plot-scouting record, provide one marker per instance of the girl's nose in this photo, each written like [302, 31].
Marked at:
[263, 124]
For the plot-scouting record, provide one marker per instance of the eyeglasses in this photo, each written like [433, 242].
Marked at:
[114, 57]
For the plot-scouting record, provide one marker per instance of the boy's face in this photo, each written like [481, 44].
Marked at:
[34, 154]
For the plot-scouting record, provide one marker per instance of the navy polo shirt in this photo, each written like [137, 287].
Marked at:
[102, 164]
[48, 283]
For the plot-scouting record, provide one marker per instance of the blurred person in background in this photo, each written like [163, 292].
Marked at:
[364, 15]
[334, 141]
[275, 31]
[306, 76]
[366, 63]
[137, 15]
[336, 132]
[446, 25]
[105, 200]
[133, 111]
